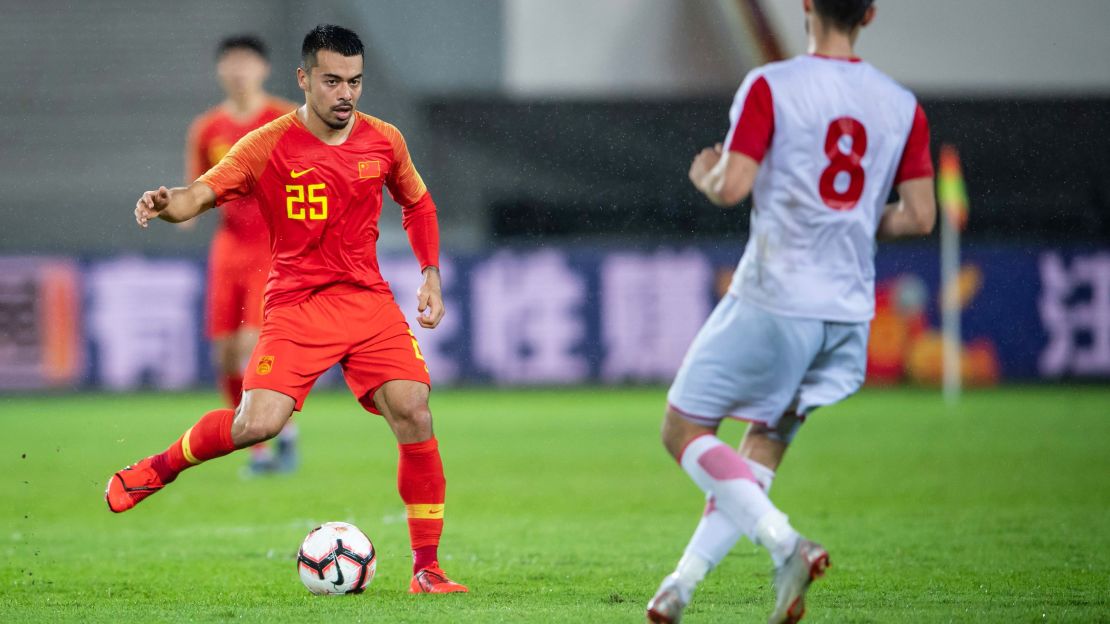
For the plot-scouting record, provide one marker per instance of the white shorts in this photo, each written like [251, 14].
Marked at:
[754, 365]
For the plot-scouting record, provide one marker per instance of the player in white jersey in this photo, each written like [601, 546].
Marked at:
[819, 140]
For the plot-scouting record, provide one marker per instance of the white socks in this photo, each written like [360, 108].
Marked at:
[736, 489]
[719, 470]
[714, 537]
[775, 534]
[716, 534]
[690, 571]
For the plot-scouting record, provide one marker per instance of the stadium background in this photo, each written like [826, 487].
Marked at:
[555, 137]
[550, 147]
[542, 138]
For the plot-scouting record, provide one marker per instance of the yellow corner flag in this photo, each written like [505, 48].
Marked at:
[951, 191]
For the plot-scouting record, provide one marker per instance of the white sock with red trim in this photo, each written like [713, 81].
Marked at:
[726, 476]
[716, 534]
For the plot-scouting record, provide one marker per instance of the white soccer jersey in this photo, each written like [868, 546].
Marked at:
[832, 136]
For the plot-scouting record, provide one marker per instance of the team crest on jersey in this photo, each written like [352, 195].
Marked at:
[265, 365]
[369, 169]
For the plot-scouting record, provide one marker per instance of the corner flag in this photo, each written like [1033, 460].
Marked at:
[951, 192]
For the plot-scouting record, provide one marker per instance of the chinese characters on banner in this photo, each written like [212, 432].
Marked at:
[546, 316]
[652, 306]
[528, 318]
[1075, 312]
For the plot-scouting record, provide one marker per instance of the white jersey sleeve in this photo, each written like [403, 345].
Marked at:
[833, 136]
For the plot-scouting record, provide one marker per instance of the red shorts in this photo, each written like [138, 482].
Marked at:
[237, 273]
[363, 331]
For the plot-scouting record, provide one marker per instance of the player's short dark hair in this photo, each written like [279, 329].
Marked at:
[842, 14]
[329, 37]
[242, 42]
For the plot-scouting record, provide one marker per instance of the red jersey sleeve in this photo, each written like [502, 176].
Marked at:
[236, 174]
[753, 119]
[916, 161]
[404, 182]
[422, 226]
[418, 211]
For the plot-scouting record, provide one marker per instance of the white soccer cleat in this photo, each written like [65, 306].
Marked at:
[669, 601]
[806, 564]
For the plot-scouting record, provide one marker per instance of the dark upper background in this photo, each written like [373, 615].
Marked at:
[574, 120]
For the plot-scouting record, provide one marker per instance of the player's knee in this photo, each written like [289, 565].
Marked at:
[414, 415]
[255, 428]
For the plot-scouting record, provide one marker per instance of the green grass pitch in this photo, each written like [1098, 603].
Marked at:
[562, 506]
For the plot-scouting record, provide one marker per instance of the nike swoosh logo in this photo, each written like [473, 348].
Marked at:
[297, 174]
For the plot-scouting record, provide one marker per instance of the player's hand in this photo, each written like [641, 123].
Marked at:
[150, 205]
[704, 163]
[429, 300]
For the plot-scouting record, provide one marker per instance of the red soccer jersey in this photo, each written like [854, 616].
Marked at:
[322, 202]
[210, 138]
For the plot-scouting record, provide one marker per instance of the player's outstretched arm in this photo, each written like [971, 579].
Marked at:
[429, 299]
[914, 214]
[174, 205]
[725, 178]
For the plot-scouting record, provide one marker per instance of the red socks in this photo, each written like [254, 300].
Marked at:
[208, 439]
[419, 477]
[422, 486]
[232, 387]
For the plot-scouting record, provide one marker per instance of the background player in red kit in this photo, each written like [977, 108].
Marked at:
[239, 260]
[318, 174]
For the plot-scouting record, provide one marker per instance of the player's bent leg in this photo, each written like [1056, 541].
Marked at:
[763, 448]
[722, 473]
[716, 534]
[420, 480]
[216, 434]
[677, 589]
[281, 456]
[261, 416]
[262, 458]
[208, 439]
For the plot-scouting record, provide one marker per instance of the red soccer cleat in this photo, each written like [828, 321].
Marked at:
[131, 485]
[432, 580]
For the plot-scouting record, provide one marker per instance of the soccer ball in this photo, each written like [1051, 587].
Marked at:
[336, 558]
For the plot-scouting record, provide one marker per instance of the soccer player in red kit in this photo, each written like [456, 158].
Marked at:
[239, 259]
[318, 174]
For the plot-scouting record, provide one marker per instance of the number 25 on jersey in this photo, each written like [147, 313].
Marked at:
[301, 205]
[843, 159]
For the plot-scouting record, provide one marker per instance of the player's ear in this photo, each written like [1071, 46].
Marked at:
[807, 6]
[302, 79]
[867, 16]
